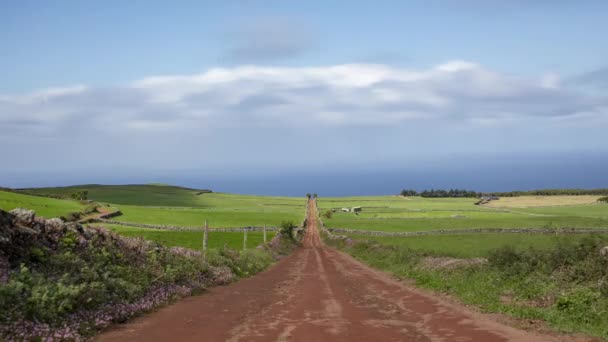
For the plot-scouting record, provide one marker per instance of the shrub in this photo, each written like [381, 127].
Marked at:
[328, 214]
[286, 229]
[80, 195]
[577, 262]
[603, 199]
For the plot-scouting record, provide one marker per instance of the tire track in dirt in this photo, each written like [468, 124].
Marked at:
[317, 294]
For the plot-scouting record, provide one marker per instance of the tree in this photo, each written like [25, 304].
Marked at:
[410, 192]
[328, 214]
[436, 193]
[80, 195]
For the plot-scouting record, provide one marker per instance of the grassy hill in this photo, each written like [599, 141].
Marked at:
[46, 207]
[176, 206]
[138, 194]
[179, 206]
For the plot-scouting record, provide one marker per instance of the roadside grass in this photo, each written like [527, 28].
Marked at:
[191, 239]
[394, 213]
[542, 201]
[46, 207]
[563, 281]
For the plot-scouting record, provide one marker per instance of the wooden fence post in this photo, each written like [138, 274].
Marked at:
[264, 232]
[245, 239]
[205, 238]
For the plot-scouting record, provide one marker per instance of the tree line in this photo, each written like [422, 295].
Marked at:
[469, 193]
[441, 193]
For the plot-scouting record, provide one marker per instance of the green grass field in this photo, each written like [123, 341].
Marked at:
[473, 245]
[190, 239]
[216, 217]
[220, 210]
[394, 213]
[168, 196]
[177, 206]
[46, 207]
[128, 194]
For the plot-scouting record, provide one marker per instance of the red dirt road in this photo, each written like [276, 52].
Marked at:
[317, 294]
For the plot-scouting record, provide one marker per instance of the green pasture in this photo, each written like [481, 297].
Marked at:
[216, 217]
[178, 206]
[420, 224]
[46, 207]
[473, 245]
[380, 203]
[127, 194]
[395, 213]
[591, 210]
[168, 196]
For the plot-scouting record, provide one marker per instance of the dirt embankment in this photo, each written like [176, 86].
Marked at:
[317, 294]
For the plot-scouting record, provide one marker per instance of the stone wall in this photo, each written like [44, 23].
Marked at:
[179, 228]
[110, 215]
[324, 229]
[547, 231]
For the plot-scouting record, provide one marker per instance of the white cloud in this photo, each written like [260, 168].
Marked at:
[362, 94]
[354, 93]
[233, 107]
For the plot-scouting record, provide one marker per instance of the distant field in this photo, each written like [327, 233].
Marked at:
[216, 217]
[473, 245]
[541, 201]
[191, 239]
[171, 205]
[593, 210]
[394, 213]
[46, 207]
[128, 194]
[167, 196]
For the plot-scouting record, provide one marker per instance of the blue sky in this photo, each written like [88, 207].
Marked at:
[103, 43]
[272, 85]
